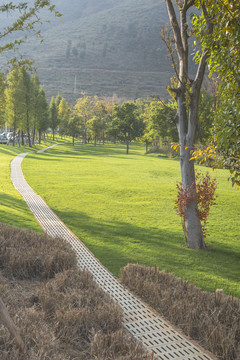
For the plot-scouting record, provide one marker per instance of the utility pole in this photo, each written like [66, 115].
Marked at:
[75, 85]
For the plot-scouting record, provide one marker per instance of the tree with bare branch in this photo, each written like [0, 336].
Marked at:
[186, 92]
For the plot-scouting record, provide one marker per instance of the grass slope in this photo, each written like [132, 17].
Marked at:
[115, 48]
[122, 208]
[13, 209]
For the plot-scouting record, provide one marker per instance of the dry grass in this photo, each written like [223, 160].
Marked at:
[60, 311]
[26, 255]
[211, 320]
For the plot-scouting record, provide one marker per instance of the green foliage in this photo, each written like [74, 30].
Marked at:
[64, 112]
[42, 112]
[222, 45]
[14, 99]
[206, 108]
[27, 18]
[53, 116]
[127, 123]
[226, 133]
[159, 118]
[73, 126]
[27, 104]
[83, 109]
[2, 99]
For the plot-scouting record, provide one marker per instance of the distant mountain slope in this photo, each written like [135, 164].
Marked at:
[107, 46]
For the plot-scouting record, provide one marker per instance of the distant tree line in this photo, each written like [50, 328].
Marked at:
[25, 109]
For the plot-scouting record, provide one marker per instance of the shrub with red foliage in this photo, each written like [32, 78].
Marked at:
[204, 192]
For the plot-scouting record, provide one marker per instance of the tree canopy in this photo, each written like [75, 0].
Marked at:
[222, 46]
[26, 19]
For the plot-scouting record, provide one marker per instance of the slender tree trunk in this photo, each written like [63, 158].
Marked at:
[187, 96]
[127, 146]
[85, 133]
[192, 224]
[73, 140]
[7, 321]
[53, 133]
[34, 134]
[28, 129]
[95, 141]
[40, 135]
[187, 130]
[14, 129]
[18, 138]
[22, 138]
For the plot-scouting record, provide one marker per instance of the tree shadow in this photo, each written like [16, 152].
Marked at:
[20, 215]
[117, 243]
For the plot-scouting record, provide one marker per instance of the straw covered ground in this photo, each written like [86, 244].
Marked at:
[59, 311]
[212, 319]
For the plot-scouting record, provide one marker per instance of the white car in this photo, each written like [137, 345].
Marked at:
[3, 139]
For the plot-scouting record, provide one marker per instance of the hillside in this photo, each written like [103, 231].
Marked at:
[109, 47]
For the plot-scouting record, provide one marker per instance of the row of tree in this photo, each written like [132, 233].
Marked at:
[24, 105]
[26, 111]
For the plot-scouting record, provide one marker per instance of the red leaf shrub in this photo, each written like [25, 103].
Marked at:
[203, 191]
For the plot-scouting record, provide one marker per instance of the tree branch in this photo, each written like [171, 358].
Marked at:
[7, 321]
[200, 72]
[168, 40]
[176, 29]
[190, 3]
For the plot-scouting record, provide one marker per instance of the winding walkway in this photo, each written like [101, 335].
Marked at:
[157, 336]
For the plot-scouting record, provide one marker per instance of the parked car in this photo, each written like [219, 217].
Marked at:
[3, 139]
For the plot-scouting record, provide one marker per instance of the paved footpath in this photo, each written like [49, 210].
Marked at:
[157, 336]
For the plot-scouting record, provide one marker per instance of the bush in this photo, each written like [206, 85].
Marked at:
[207, 318]
[28, 255]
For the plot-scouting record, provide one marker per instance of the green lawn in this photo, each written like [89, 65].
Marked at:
[13, 209]
[122, 208]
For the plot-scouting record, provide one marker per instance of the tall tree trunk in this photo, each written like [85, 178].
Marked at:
[14, 129]
[146, 146]
[28, 129]
[192, 225]
[34, 134]
[127, 146]
[22, 136]
[18, 137]
[187, 129]
[73, 140]
[187, 95]
[85, 133]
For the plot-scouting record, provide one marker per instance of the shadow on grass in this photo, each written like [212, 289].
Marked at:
[19, 215]
[99, 150]
[117, 243]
